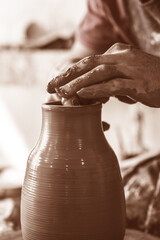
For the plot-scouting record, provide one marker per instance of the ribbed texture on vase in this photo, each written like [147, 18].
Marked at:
[73, 187]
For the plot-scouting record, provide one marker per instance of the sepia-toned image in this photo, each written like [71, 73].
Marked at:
[79, 120]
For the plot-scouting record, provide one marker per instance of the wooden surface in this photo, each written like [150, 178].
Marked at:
[130, 235]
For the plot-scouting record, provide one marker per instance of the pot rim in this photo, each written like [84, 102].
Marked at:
[57, 105]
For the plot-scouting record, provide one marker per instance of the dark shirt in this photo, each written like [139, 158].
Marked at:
[136, 22]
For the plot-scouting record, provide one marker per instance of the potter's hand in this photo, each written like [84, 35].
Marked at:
[57, 70]
[122, 70]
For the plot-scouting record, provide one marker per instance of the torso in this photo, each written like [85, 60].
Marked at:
[144, 23]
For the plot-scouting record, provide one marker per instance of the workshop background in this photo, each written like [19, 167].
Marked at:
[35, 35]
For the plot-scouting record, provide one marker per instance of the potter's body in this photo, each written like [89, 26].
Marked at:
[122, 39]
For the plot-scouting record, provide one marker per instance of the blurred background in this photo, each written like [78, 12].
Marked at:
[34, 36]
[25, 66]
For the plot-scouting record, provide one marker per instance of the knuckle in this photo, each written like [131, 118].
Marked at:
[116, 47]
[119, 46]
[101, 68]
[90, 59]
[104, 67]
[87, 59]
[129, 50]
[122, 46]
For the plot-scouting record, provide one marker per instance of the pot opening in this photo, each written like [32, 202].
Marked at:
[59, 103]
[54, 103]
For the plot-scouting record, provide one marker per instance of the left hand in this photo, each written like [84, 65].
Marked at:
[122, 70]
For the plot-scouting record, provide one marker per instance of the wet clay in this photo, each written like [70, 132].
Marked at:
[72, 188]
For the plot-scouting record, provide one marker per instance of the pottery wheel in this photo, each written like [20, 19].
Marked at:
[130, 235]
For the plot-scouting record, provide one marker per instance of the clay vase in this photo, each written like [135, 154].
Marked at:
[72, 188]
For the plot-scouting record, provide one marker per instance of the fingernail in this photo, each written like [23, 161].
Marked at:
[50, 88]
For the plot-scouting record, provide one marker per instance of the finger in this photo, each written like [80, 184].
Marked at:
[122, 58]
[96, 75]
[125, 99]
[73, 72]
[118, 86]
[74, 100]
[59, 69]
[63, 67]
[105, 126]
[88, 101]
[52, 98]
[85, 65]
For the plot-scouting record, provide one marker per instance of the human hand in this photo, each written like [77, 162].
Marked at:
[61, 67]
[123, 70]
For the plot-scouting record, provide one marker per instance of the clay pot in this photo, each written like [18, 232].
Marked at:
[72, 188]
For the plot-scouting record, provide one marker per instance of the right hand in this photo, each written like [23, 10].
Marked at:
[123, 70]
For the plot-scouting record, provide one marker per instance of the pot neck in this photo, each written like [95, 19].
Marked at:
[75, 120]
